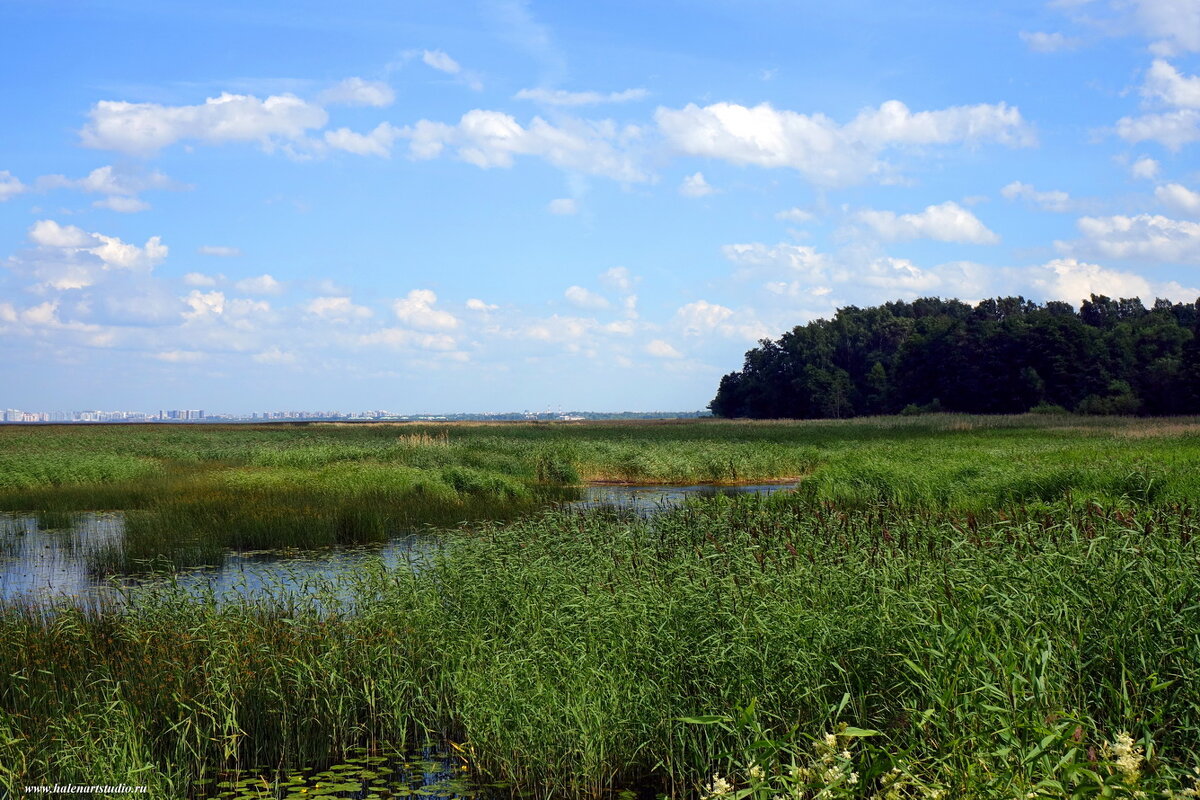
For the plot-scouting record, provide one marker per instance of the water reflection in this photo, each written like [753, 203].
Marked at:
[46, 559]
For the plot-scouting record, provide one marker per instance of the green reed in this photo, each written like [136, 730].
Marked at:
[573, 654]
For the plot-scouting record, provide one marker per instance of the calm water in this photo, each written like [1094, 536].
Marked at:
[38, 561]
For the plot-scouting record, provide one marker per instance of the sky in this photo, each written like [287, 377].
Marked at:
[503, 205]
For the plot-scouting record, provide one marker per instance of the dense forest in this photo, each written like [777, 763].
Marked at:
[1005, 355]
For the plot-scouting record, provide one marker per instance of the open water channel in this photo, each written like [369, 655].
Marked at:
[46, 564]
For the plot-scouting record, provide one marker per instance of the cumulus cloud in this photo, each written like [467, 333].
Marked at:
[1174, 24]
[694, 185]
[441, 62]
[1172, 129]
[273, 355]
[619, 278]
[823, 151]
[1145, 236]
[181, 356]
[475, 304]
[70, 258]
[378, 142]
[1163, 82]
[220, 251]
[359, 92]
[260, 284]
[1145, 168]
[561, 97]
[662, 349]
[1041, 42]
[121, 185]
[402, 338]
[1179, 199]
[563, 206]
[199, 279]
[144, 128]
[702, 318]
[493, 139]
[947, 222]
[798, 215]
[9, 185]
[416, 310]
[579, 296]
[1072, 280]
[203, 305]
[48, 233]
[1054, 200]
[792, 259]
[336, 309]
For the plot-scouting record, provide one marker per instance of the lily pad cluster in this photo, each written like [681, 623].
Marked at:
[363, 775]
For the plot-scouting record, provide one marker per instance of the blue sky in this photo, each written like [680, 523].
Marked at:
[505, 205]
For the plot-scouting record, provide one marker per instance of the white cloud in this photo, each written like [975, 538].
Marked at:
[1179, 198]
[1145, 168]
[218, 250]
[619, 278]
[492, 139]
[123, 205]
[273, 355]
[1163, 82]
[376, 143]
[199, 279]
[797, 215]
[1172, 130]
[1174, 23]
[111, 251]
[661, 349]
[260, 284]
[49, 233]
[562, 205]
[1050, 201]
[405, 339]
[694, 185]
[822, 150]
[336, 309]
[181, 356]
[475, 304]
[204, 304]
[441, 62]
[896, 274]
[416, 310]
[1145, 236]
[359, 92]
[121, 185]
[561, 97]
[1073, 281]
[568, 331]
[947, 222]
[701, 318]
[1041, 42]
[792, 258]
[142, 128]
[10, 186]
[579, 296]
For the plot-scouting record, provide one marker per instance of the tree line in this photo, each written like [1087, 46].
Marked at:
[1004, 355]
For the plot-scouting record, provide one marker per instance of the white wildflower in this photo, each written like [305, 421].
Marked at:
[756, 773]
[718, 788]
[1129, 756]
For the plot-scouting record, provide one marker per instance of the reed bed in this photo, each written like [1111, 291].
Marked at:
[970, 655]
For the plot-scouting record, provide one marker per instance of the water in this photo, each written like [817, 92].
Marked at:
[42, 564]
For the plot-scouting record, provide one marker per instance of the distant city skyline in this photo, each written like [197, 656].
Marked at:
[513, 204]
[21, 416]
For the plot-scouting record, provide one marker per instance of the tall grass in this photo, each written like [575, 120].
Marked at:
[572, 654]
